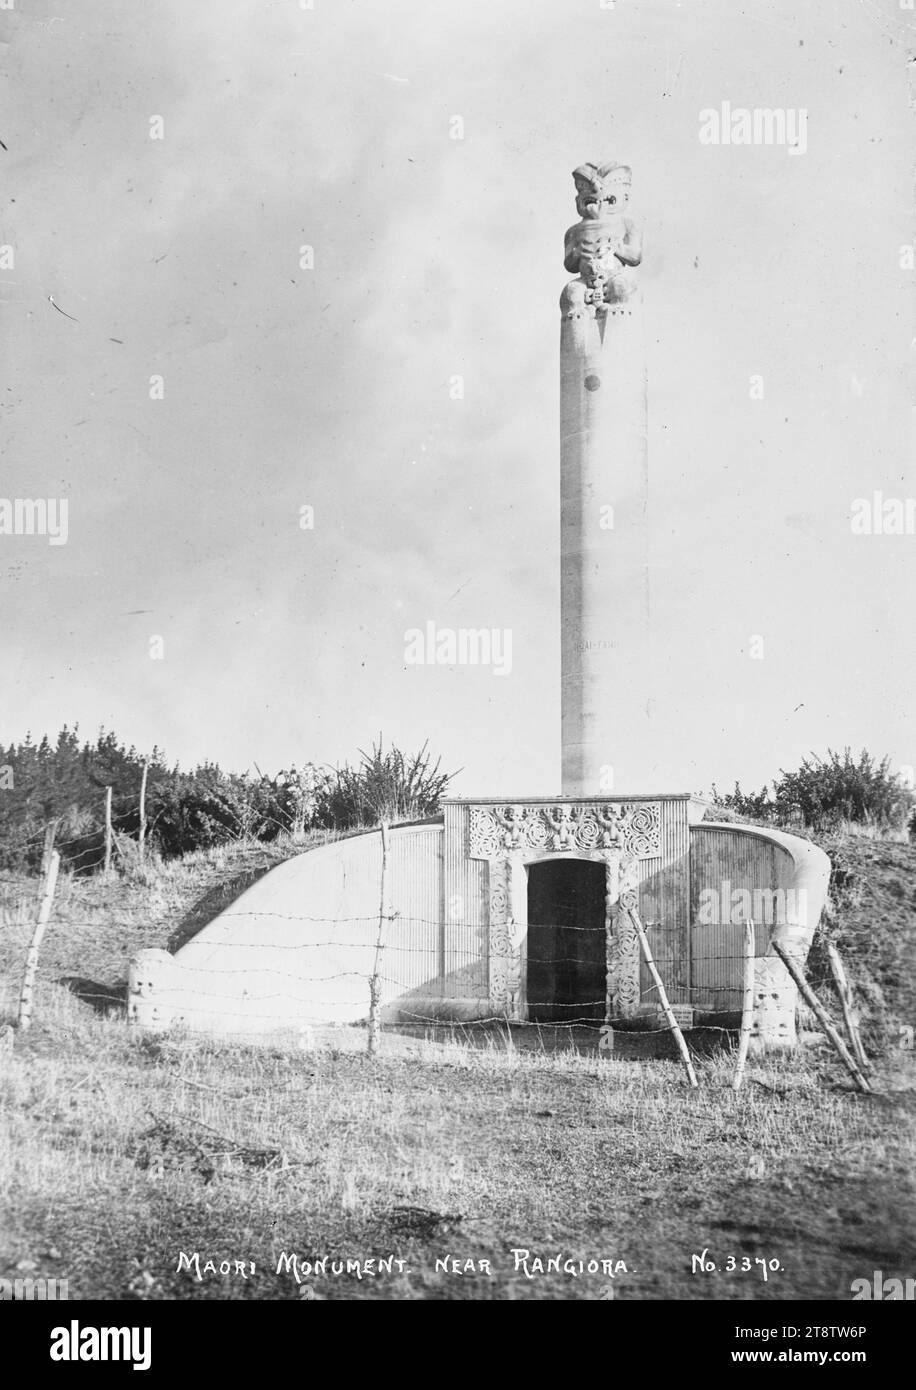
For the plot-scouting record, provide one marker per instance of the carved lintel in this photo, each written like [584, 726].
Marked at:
[633, 828]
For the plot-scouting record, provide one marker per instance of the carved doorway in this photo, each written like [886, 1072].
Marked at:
[567, 940]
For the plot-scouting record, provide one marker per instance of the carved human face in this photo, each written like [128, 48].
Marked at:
[603, 199]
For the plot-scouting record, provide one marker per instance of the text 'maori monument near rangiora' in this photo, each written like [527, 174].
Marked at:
[530, 909]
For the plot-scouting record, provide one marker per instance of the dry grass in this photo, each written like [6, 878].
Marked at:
[119, 1151]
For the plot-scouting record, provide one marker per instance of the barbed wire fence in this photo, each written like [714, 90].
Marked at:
[585, 1016]
[125, 835]
[110, 837]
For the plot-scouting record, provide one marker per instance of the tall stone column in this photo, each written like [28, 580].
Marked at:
[604, 595]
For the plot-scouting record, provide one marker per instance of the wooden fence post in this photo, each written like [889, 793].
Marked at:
[662, 996]
[845, 993]
[747, 1006]
[47, 847]
[375, 984]
[142, 838]
[31, 963]
[820, 1014]
[107, 831]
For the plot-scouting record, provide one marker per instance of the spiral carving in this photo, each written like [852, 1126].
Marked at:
[634, 829]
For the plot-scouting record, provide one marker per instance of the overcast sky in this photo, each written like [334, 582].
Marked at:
[328, 387]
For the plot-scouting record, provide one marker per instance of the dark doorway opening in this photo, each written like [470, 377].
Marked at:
[567, 969]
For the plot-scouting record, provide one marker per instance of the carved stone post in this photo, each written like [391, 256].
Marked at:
[151, 982]
[611, 891]
[507, 930]
[604, 595]
[623, 954]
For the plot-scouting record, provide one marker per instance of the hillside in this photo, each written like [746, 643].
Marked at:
[872, 922]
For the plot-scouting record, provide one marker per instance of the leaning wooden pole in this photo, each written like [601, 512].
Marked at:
[375, 984]
[747, 1006]
[143, 811]
[662, 995]
[47, 848]
[31, 964]
[108, 834]
[820, 1014]
[845, 993]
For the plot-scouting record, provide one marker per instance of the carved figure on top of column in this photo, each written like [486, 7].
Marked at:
[602, 249]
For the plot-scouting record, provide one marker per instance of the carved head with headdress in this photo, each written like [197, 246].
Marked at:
[602, 189]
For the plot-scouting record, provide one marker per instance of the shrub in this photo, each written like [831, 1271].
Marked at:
[66, 783]
[745, 806]
[839, 789]
[391, 786]
[826, 792]
[208, 807]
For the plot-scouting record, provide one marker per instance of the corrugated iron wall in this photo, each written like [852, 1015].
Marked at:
[301, 942]
[664, 905]
[724, 866]
[466, 912]
[414, 954]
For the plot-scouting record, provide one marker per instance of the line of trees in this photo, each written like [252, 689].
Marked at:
[65, 780]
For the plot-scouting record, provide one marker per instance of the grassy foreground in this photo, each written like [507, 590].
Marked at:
[119, 1152]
